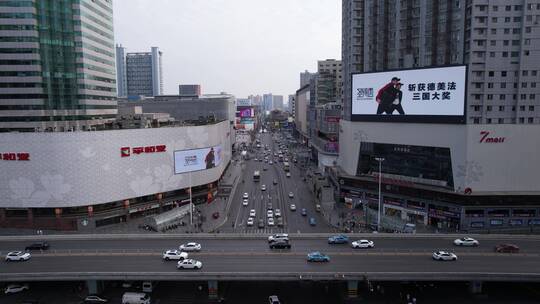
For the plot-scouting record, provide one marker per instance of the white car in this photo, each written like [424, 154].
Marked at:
[269, 213]
[273, 300]
[363, 244]
[291, 195]
[444, 256]
[245, 202]
[15, 288]
[249, 221]
[278, 236]
[18, 256]
[189, 264]
[270, 221]
[263, 187]
[174, 255]
[246, 195]
[270, 162]
[278, 213]
[293, 207]
[466, 241]
[288, 174]
[252, 213]
[190, 247]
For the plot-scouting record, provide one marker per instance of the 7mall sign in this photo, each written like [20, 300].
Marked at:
[486, 138]
[127, 151]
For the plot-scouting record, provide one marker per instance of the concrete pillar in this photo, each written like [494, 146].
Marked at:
[94, 286]
[475, 287]
[352, 289]
[30, 216]
[213, 290]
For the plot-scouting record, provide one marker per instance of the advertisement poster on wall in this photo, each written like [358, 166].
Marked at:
[197, 159]
[435, 95]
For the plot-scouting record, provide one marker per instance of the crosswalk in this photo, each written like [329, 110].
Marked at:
[264, 230]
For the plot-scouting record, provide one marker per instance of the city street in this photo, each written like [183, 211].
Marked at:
[275, 194]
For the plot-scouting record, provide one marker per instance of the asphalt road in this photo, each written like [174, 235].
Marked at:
[277, 195]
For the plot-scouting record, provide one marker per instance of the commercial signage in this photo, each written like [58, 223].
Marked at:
[487, 137]
[430, 95]
[245, 112]
[128, 151]
[15, 156]
[196, 159]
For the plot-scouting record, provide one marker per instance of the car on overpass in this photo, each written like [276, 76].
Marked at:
[362, 244]
[338, 239]
[245, 202]
[293, 207]
[466, 241]
[263, 187]
[250, 221]
[15, 288]
[191, 246]
[94, 299]
[252, 213]
[291, 195]
[278, 236]
[317, 256]
[288, 174]
[37, 246]
[278, 212]
[189, 264]
[444, 256]
[507, 248]
[174, 255]
[280, 244]
[246, 195]
[271, 221]
[17, 256]
[273, 300]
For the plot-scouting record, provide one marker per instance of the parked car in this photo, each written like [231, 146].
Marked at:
[17, 256]
[189, 264]
[174, 255]
[444, 256]
[363, 244]
[466, 241]
[190, 247]
[37, 246]
[94, 299]
[317, 257]
[338, 239]
[312, 221]
[507, 248]
[15, 288]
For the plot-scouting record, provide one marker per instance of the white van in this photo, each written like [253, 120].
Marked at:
[135, 298]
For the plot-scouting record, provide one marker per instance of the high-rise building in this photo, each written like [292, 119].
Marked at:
[267, 102]
[305, 77]
[277, 102]
[291, 105]
[329, 81]
[57, 69]
[121, 78]
[144, 73]
[189, 90]
[438, 173]
[497, 41]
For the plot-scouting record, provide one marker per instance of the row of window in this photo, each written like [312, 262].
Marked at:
[517, 30]
[503, 85]
[478, 120]
[505, 73]
[17, 3]
[515, 42]
[515, 54]
[496, 19]
[502, 108]
[55, 118]
[507, 8]
[59, 107]
[503, 96]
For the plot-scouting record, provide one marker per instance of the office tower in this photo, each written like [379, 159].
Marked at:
[305, 77]
[267, 102]
[121, 78]
[144, 73]
[277, 102]
[329, 81]
[497, 40]
[57, 69]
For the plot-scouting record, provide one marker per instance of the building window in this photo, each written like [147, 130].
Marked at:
[488, 121]
[533, 84]
[505, 54]
[494, 19]
[495, 8]
[478, 85]
[493, 32]
[503, 85]
[528, 29]
[524, 73]
[491, 74]
[522, 108]
[488, 108]
[506, 19]
[506, 42]
[522, 120]
[534, 73]
[518, 7]
[517, 19]
[523, 96]
[493, 42]
[503, 73]
[513, 108]
[508, 8]
[507, 31]
[526, 52]
[532, 96]
[501, 108]
[502, 97]
[477, 96]
[501, 120]
[530, 120]
[476, 120]
[524, 85]
[476, 108]
[531, 108]
[490, 85]
[489, 96]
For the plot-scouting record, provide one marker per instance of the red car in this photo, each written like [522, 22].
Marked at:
[507, 248]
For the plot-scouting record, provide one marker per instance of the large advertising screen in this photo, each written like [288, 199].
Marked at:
[432, 95]
[196, 159]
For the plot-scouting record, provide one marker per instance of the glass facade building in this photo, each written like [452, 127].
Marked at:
[57, 65]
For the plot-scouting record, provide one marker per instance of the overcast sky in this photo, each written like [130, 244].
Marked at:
[241, 47]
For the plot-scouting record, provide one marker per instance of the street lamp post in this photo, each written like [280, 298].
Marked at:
[380, 160]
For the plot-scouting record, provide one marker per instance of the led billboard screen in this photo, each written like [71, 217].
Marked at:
[431, 95]
[196, 159]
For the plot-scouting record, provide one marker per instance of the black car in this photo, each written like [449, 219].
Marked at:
[37, 246]
[280, 244]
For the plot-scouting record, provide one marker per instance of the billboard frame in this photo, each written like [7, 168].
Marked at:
[436, 119]
[174, 159]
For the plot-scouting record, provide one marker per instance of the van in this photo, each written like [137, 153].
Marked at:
[148, 286]
[135, 298]
[409, 228]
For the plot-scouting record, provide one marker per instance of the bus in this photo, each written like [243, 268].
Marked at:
[286, 166]
[256, 176]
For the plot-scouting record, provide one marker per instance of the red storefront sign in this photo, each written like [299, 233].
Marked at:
[127, 151]
[15, 156]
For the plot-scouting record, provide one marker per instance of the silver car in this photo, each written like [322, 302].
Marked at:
[190, 247]
[18, 256]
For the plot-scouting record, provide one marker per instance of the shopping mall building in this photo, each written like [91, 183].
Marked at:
[449, 176]
[81, 180]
